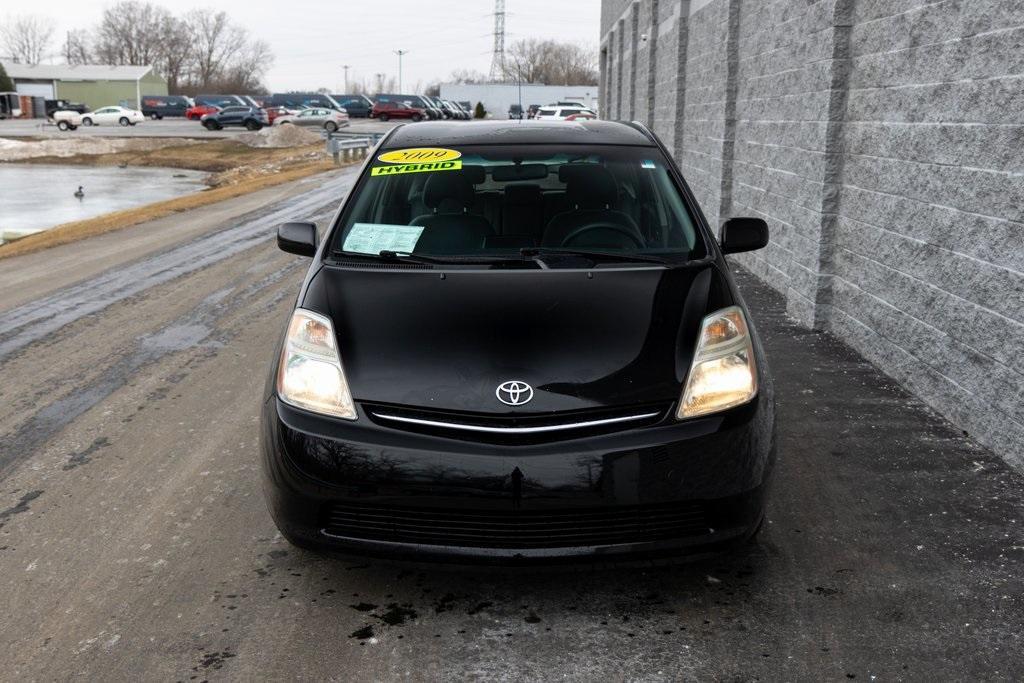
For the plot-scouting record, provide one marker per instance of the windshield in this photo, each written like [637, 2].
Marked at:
[508, 201]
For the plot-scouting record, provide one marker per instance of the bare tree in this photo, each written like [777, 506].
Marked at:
[217, 42]
[552, 62]
[467, 76]
[76, 47]
[176, 56]
[26, 37]
[131, 33]
[244, 72]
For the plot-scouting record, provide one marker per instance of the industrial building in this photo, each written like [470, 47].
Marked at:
[881, 143]
[497, 97]
[95, 85]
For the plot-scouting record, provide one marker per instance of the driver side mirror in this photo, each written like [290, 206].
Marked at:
[297, 238]
[743, 234]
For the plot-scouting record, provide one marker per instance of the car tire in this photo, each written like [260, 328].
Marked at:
[87, 122]
[124, 121]
[211, 125]
[330, 126]
[416, 118]
[63, 125]
[252, 125]
[382, 117]
[154, 117]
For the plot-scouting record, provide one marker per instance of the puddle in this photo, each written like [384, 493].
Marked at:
[38, 196]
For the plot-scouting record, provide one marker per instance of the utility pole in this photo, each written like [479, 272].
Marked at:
[498, 58]
[380, 83]
[345, 67]
[400, 53]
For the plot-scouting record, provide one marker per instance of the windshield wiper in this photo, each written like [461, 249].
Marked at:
[528, 252]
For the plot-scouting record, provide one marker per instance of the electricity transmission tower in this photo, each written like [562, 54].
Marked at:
[498, 59]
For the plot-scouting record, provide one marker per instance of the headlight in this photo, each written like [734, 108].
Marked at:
[723, 373]
[310, 374]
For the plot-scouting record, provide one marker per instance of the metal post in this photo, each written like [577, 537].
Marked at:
[400, 53]
[345, 67]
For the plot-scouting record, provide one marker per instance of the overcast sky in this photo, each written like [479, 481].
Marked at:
[311, 40]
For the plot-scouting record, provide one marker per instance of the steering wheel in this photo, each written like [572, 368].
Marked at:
[604, 225]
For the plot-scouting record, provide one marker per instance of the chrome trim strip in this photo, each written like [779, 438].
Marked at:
[514, 430]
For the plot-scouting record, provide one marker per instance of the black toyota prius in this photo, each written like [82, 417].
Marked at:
[519, 340]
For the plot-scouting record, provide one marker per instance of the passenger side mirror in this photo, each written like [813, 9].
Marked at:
[743, 234]
[297, 238]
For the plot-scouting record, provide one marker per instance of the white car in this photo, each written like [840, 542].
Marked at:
[328, 119]
[560, 113]
[104, 116]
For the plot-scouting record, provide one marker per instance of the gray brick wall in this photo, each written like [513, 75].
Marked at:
[883, 141]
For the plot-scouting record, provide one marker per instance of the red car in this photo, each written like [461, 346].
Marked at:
[274, 112]
[198, 111]
[382, 111]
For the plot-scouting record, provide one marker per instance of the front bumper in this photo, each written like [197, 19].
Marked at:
[364, 488]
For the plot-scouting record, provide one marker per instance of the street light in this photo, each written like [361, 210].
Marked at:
[400, 53]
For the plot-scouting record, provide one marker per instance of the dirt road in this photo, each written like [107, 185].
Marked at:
[134, 542]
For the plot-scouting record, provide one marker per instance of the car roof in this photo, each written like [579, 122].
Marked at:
[517, 132]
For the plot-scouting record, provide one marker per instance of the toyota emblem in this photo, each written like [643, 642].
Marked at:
[514, 393]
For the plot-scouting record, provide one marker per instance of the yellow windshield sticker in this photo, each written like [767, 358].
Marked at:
[419, 154]
[417, 168]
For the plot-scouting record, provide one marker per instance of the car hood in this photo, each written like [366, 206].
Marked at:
[582, 340]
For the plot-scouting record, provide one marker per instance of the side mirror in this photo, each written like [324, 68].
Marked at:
[743, 234]
[297, 238]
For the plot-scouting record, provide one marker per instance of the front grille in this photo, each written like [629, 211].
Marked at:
[516, 428]
[521, 529]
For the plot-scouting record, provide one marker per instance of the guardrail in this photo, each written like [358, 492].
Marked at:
[349, 146]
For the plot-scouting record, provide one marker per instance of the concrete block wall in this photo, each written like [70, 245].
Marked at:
[883, 141]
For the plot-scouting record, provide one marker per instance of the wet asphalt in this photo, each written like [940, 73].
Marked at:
[134, 541]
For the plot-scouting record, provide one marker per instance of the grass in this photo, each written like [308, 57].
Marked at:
[234, 183]
[208, 155]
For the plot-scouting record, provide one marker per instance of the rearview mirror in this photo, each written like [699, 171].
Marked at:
[297, 238]
[743, 234]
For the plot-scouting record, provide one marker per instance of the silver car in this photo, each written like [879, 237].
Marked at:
[328, 119]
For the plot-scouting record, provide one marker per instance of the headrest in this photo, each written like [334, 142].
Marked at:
[453, 188]
[523, 194]
[589, 186]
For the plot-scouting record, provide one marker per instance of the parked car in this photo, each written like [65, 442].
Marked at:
[274, 113]
[531, 111]
[560, 113]
[466, 417]
[357, 106]
[104, 116]
[302, 100]
[253, 118]
[515, 111]
[328, 119]
[198, 111]
[53, 106]
[416, 101]
[581, 116]
[159, 106]
[456, 111]
[382, 111]
[221, 101]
